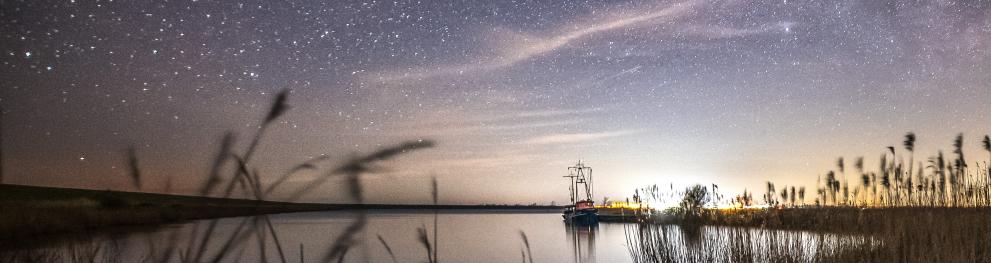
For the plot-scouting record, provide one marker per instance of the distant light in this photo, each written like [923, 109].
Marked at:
[624, 205]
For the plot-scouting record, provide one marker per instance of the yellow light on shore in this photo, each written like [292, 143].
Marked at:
[624, 205]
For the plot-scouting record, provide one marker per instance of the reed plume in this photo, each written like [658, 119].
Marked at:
[279, 106]
[133, 168]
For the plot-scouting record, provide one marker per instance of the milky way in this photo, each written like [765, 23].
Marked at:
[729, 92]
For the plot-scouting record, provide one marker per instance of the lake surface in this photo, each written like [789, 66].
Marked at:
[464, 236]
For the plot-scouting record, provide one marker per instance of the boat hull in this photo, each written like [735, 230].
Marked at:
[581, 217]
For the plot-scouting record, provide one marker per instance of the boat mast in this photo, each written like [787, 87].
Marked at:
[583, 175]
[571, 187]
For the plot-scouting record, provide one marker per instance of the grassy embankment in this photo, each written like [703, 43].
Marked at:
[33, 210]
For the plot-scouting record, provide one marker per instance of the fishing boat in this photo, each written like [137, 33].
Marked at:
[582, 210]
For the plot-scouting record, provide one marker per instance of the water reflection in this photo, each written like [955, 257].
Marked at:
[691, 235]
[582, 239]
[463, 237]
[673, 243]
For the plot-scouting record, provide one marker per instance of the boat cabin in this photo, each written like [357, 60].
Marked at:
[584, 204]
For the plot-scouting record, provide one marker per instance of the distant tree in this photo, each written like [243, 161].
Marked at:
[693, 203]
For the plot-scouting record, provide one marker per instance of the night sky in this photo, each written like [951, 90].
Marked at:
[728, 92]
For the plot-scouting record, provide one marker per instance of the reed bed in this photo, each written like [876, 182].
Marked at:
[910, 234]
[903, 211]
[674, 243]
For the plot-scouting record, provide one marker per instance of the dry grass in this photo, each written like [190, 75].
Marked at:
[860, 235]
[901, 212]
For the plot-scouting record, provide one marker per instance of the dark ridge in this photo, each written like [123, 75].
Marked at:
[37, 210]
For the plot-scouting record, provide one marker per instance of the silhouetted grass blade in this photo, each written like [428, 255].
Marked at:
[132, 165]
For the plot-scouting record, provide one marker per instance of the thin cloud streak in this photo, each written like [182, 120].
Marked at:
[512, 48]
[450, 129]
[553, 113]
[494, 161]
[565, 138]
[527, 47]
[720, 32]
[453, 122]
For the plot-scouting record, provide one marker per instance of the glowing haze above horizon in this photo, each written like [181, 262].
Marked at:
[734, 93]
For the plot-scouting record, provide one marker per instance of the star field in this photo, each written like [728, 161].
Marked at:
[729, 92]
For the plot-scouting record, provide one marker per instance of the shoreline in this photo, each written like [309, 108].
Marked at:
[29, 211]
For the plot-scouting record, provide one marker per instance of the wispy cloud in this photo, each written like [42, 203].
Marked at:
[511, 47]
[493, 161]
[468, 128]
[515, 48]
[559, 112]
[474, 122]
[564, 138]
[720, 32]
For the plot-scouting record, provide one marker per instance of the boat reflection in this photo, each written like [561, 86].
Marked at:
[582, 239]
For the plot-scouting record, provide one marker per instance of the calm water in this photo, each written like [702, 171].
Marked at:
[474, 236]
